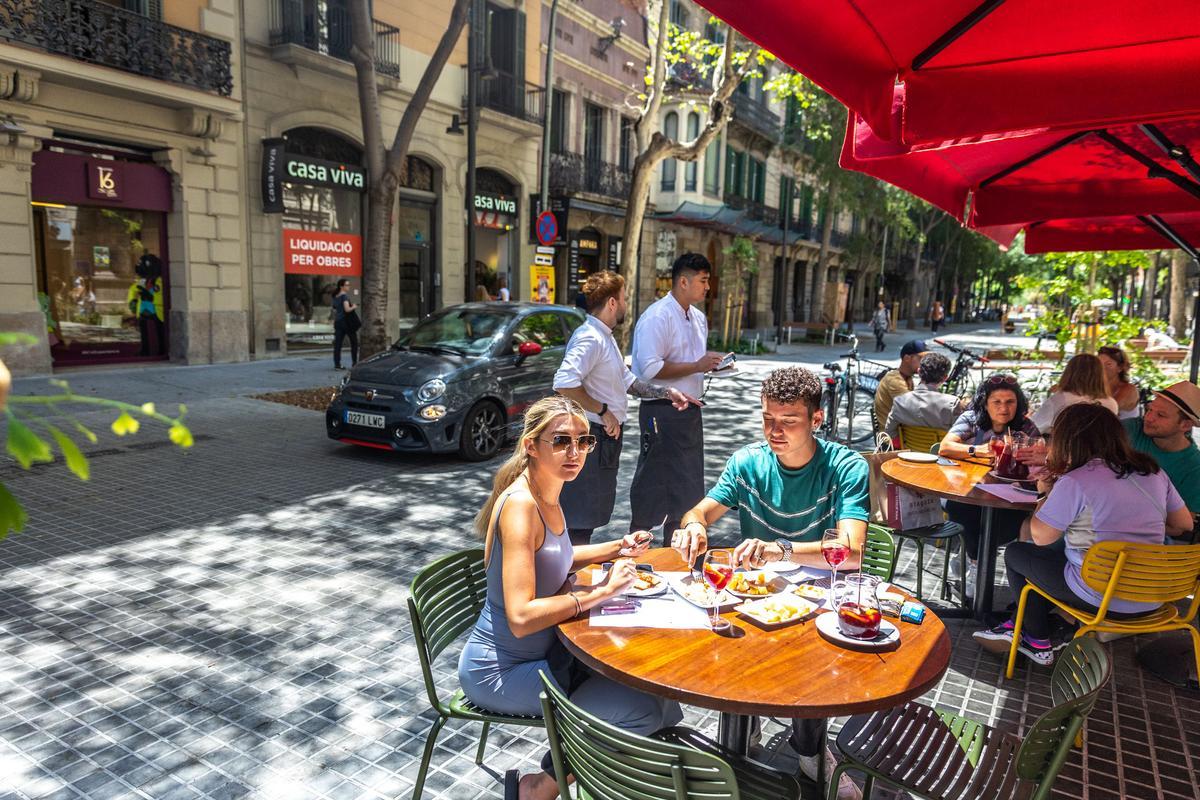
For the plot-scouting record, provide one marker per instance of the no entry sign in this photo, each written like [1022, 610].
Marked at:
[547, 228]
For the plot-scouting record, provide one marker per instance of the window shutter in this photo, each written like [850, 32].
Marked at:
[519, 60]
[479, 32]
[154, 9]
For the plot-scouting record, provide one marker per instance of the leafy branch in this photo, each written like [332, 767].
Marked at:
[30, 431]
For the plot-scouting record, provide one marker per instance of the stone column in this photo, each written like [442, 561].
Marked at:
[20, 311]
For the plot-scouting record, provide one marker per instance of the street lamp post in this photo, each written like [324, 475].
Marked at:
[472, 125]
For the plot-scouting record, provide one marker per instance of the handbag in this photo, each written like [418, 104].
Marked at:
[876, 483]
[908, 509]
[351, 322]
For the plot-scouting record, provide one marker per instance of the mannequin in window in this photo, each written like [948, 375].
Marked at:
[145, 301]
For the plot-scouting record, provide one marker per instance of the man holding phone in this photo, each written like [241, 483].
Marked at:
[670, 350]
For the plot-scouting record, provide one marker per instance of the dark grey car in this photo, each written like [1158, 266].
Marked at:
[459, 380]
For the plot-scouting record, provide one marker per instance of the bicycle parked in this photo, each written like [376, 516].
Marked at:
[851, 388]
[962, 381]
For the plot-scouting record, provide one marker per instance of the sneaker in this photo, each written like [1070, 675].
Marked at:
[998, 640]
[847, 789]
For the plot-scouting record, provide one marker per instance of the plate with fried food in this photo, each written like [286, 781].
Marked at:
[777, 610]
[754, 584]
[647, 584]
[812, 592]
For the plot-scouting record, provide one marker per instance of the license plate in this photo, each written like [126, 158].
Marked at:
[365, 420]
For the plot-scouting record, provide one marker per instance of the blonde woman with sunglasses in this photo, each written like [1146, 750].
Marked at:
[529, 558]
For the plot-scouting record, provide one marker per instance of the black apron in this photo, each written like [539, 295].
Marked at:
[669, 479]
[587, 501]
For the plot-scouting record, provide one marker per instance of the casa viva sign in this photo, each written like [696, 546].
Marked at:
[280, 167]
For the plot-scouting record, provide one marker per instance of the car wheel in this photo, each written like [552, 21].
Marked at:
[482, 432]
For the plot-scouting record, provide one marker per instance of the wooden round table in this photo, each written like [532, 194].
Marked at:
[960, 482]
[787, 672]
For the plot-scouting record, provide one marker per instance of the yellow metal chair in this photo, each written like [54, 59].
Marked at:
[920, 438]
[1142, 573]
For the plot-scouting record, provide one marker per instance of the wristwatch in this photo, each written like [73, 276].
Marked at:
[786, 547]
[603, 409]
[971, 451]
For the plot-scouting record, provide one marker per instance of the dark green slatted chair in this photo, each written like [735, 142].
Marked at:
[879, 554]
[942, 756]
[610, 763]
[445, 600]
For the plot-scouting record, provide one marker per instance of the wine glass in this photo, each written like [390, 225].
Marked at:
[835, 548]
[718, 571]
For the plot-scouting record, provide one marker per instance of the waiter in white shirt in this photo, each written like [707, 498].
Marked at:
[670, 349]
[593, 374]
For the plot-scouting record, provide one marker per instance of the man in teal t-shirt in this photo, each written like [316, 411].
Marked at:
[1164, 433]
[788, 490]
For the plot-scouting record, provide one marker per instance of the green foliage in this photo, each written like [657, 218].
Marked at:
[743, 346]
[28, 446]
[741, 258]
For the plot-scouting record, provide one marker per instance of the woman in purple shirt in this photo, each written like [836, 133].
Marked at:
[1096, 488]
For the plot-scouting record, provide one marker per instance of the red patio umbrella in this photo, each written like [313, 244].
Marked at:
[1147, 232]
[931, 70]
[1017, 179]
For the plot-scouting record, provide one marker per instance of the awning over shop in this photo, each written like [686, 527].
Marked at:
[726, 219]
[932, 70]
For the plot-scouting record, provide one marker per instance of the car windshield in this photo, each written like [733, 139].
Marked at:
[465, 331]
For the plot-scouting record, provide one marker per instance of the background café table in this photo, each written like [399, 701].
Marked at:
[961, 482]
[787, 672]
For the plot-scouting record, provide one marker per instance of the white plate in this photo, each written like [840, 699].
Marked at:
[653, 591]
[724, 599]
[824, 601]
[775, 583]
[827, 624]
[917, 457]
[753, 609]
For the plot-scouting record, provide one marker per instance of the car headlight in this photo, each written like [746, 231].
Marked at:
[431, 390]
[432, 412]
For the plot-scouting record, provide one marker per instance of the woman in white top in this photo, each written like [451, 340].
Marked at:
[1082, 382]
[1116, 378]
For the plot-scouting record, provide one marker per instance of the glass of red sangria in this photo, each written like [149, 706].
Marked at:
[835, 548]
[718, 571]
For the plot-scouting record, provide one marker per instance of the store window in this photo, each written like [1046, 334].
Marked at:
[322, 231]
[99, 222]
[497, 248]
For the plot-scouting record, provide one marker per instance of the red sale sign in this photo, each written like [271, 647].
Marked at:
[321, 253]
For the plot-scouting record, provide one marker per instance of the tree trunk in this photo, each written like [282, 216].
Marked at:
[631, 236]
[914, 293]
[817, 306]
[1179, 293]
[381, 200]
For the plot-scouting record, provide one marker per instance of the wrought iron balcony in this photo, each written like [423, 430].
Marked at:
[755, 116]
[98, 33]
[501, 91]
[323, 26]
[571, 173]
[755, 211]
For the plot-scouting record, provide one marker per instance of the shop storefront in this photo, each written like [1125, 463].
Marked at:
[497, 240]
[419, 280]
[583, 259]
[314, 178]
[100, 236]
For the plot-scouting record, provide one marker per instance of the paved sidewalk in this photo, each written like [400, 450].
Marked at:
[229, 621]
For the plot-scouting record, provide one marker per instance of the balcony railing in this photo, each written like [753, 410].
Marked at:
[324, 27]
[755, 210]
[756, 116]
[502, 92]
[98, 33]
[571, 173]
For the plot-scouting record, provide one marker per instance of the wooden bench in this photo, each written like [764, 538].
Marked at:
[816, 331]
[1172, 356]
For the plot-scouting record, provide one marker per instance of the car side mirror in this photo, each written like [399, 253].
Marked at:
[527, 349]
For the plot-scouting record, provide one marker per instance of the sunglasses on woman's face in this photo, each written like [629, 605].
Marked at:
[562, 441]
[1002, 380]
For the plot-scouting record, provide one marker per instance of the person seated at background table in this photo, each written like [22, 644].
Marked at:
[1082, 381]
[998, 406]
[787, 491]
[899, 380]
[926, 405]
[1096, 488]
[1116, 380]
[529, 556]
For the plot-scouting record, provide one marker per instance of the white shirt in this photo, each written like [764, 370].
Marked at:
[594, 362]
[1047, 411]
[502, 295]
[668, 332]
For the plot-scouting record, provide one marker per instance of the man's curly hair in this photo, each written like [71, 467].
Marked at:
[793, 385]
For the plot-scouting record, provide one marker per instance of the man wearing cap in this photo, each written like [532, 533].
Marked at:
[1165, 433]
[900, 380]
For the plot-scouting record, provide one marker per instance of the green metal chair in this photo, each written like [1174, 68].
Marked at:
[941, 536]
[445, 600]
[942, 756]
[879, 554]
[608, 762]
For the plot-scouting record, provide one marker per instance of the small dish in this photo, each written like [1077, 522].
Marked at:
[916, 457]
[693, 590]
[889, 634]
[648, 584]
[758, 583]
[812, 593]
[777, 611]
